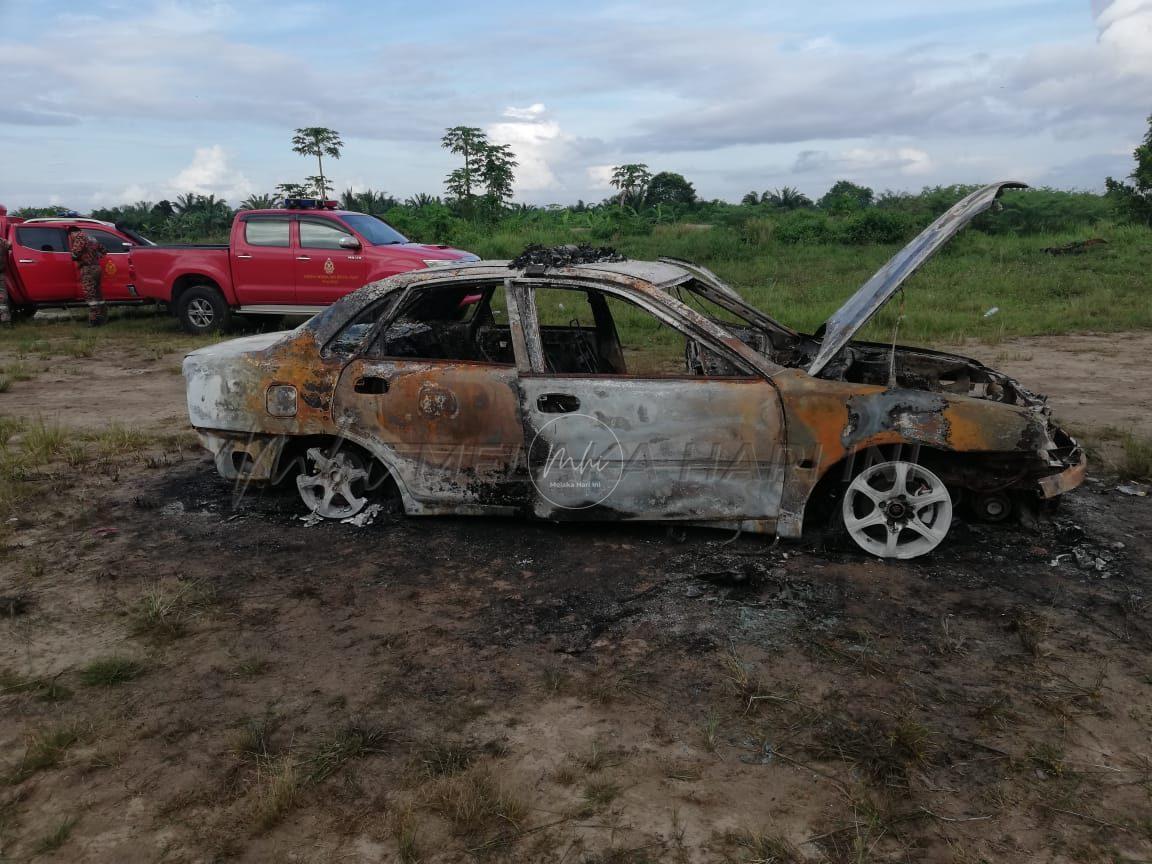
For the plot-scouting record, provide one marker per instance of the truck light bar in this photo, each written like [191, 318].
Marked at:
[309, 204]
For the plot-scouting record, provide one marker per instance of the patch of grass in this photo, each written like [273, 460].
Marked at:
[120, 440]
[253, 667]
[1032, 629]
[554, 680]
[83, 347]
[355, 741]
[403, 829]
[162, 613]
[949, 641]
[45, 689]
[253, 742]
[9, 427]
[18, 371]
[111, 671]
[1046, 758]
[597, 758]
[5, 384]
[710, 732]
[1136, 463]
[75, 454]
[884, 750]
[475, 802]
[278, 786]
[681, 771]
[43, 441]
[446, 758]
[761, 848]
[55, 838]
[45, 750]
[601, 793]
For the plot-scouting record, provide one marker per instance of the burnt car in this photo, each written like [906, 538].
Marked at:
[586, 387]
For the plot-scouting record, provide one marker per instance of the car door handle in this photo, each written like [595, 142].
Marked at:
[243, 256]
[371, 385]
[303, 258]
[25, 261]
[557, 403]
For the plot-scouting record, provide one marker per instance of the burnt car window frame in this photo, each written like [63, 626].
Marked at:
[402, 297]
[535, 347]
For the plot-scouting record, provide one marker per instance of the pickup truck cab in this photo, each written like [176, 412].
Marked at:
[41, 272]
[294, 260]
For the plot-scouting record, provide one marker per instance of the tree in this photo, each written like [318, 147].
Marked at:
[163, 209]
[668, 187]
[421, 199]
[186, 203]
[319, 185]
[1135, 198]
[292, 190]
[751, 199]
[470, 143]
[846, 197]
[318, 141]
[632, 181]
[786, 198]
[258, 202]
[497, 174]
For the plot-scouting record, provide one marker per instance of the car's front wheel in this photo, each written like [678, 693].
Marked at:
[897, 510]
[202, 309]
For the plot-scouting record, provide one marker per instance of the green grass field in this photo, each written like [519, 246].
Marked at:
[1109, 288]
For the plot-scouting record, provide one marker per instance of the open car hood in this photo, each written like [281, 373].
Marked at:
[849, 318]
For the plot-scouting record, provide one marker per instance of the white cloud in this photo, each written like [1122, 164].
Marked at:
[600, 176]
[532, 112]
[537, 143]
[906, 161]
[210, 174]
[1126, 30]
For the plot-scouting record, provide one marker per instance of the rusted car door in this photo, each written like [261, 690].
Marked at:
[445, 413]
[643, 446]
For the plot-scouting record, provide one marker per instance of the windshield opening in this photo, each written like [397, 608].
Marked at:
[376, 231]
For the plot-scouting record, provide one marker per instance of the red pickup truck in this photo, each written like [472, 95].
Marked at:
[290, 261]
[41, 271]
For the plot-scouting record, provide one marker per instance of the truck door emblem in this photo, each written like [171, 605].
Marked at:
[110, 268]
[329, 267]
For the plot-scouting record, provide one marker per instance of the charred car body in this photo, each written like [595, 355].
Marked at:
[498, 389]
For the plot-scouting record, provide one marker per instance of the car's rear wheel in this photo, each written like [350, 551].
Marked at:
[334, 484]
[897, 510]
[202, 309]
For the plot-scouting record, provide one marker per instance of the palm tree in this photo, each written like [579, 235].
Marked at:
[421, 199]
[189, 202]
[258, 202]
[786, 198]
[318, 141]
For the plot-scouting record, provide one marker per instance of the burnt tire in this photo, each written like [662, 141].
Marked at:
[202, 309]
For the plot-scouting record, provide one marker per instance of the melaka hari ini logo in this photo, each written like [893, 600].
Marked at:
[577, 461]
[329, 267]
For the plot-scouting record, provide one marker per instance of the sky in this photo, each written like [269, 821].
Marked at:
[114, 101]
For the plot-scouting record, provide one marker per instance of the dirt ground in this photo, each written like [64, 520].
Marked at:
[190, 674]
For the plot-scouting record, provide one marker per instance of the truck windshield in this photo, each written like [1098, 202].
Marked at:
[375, 231]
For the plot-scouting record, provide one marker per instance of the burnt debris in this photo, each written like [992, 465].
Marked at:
[537, 257]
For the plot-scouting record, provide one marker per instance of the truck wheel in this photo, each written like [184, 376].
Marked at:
[23, 312]
[201, 309]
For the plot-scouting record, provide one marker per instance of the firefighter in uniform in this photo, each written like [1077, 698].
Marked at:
[5, 307]
[87, 253]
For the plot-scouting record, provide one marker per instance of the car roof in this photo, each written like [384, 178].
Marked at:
[661, 274]
[49, 221]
